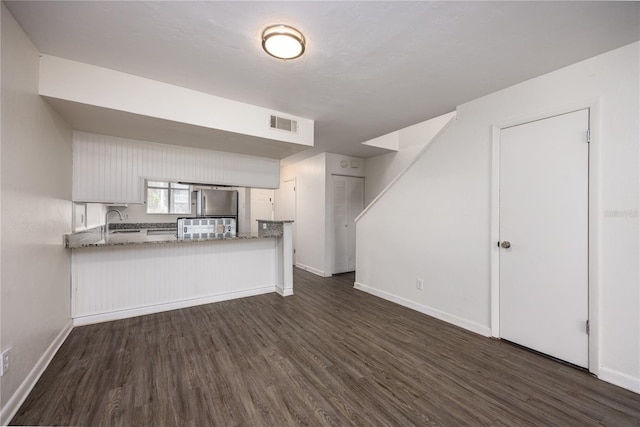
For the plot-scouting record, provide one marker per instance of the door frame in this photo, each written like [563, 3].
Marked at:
[594, 218]
[295, 214]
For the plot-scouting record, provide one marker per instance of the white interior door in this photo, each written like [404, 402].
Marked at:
[288, 210]
[348, 202]
[544, 184]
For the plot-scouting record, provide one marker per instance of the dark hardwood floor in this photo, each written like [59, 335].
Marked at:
[329, 355]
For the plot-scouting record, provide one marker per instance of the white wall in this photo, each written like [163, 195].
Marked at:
[36, 212]
[137, 213]
[314, 206]
[443, 206]
[310, 211]
[261, 206]
[95, 214]
[382, 169]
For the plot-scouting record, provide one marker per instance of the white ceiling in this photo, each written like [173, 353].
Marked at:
[370, 67]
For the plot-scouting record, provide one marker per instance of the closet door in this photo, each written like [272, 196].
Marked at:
[348, 202]
[544, 236]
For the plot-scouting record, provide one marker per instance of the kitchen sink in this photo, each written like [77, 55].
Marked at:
[161, 232]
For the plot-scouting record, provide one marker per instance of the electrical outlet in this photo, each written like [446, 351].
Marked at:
[5, 362]
[419, 284]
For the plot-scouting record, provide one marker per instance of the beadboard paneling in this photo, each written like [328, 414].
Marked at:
[107, 280]
[111, 169]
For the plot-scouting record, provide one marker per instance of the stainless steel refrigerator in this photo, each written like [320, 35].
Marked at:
[217, 203]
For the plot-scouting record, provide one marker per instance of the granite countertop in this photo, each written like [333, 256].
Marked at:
[143, 234]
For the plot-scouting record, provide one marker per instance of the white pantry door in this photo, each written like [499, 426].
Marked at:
[348, 202]
[544, 201]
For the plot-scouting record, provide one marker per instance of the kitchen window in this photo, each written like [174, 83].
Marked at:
[165, 197]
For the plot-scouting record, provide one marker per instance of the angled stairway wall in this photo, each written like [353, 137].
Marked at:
[434, 222]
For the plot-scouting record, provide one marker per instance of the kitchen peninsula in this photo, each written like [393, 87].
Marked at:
[148, 269]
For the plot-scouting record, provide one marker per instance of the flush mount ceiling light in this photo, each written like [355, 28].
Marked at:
[283, 42]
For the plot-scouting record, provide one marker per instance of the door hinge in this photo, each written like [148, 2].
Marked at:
[588, 136]
[588, 328]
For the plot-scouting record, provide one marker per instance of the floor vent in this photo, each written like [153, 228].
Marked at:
[284, 124]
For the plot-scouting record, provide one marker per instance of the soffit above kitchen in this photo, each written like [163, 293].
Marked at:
[369, 68]
[105, 121]
[99, 100]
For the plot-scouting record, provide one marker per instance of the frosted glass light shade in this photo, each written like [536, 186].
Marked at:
[283, 42]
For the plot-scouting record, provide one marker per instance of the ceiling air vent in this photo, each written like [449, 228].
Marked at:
[281, 123]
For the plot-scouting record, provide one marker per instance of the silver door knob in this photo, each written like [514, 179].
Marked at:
[505, 244]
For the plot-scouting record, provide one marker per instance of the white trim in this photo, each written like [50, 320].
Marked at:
[495, 232]
[313, 270]
[287, 258]
[595, 230]
[159, 308]
[17, 399]
[284, 292]
[429, 311]
[551, 112]
[593, 105]
[72, 285]
[294, 226]
[409, 166]
[621, 380]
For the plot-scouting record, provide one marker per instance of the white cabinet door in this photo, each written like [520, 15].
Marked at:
[544, 189]
[110, 169]
[106, 169]
[79, 216]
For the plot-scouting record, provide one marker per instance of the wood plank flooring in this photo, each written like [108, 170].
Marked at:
[329, 355]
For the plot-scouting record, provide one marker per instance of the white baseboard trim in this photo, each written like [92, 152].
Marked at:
[283, 292]
[312, 270]
[618, 378]
[158, 308]
[18, 398]
[441, 315]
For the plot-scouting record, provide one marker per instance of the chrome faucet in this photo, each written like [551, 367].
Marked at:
[106, 221]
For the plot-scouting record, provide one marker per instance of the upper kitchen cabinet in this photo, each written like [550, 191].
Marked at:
[109, 169]
[195, 136]
[105, 170]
